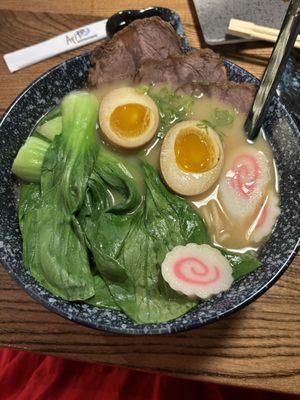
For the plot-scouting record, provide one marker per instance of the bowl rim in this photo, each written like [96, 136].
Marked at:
[140, 329]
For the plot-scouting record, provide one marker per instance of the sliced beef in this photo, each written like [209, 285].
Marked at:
[120, 57]
[110, 62]
[239, 95]
[182, 68]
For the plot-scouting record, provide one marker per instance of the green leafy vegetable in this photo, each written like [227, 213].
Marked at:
[50, 128]
[130, 239]
[102, 297]
[172, 108]
[28, 162]
[56, 253]
[29, 203]
[241, 264]
[71, 156]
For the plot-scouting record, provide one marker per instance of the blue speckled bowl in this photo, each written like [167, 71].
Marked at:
[276, 254]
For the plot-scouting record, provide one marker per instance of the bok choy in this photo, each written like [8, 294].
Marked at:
[130, 239]
[28, 163]
[53, 242]
[51, 128]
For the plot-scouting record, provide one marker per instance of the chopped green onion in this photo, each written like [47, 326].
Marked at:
[204, 124]
[223, 117]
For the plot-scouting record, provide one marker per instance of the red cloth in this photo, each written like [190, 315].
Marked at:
[29, 376]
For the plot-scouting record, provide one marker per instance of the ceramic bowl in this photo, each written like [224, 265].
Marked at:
[276, 253]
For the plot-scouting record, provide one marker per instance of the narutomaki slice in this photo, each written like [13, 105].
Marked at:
[243, 182]
[266, 218]
[197, 270]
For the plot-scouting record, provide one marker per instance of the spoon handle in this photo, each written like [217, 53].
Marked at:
[284, 44]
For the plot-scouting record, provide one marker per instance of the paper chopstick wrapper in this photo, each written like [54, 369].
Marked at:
[59, 44]
[249, 29]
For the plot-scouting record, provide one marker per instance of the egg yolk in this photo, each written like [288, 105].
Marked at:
[194, 150]
[130, 120]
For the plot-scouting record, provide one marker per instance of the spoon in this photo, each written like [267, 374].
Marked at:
[123, 18]
[284, 44]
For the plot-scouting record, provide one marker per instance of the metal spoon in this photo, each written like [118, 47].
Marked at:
[284, 44]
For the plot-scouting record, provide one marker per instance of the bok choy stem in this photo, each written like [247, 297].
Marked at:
[51, 128]
[28, 162]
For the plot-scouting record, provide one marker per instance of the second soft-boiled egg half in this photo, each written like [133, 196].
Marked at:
[127, 118]
[191, 158]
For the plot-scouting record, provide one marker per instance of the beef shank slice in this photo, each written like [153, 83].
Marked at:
[239, 95]
[120, 57]
[179, 69]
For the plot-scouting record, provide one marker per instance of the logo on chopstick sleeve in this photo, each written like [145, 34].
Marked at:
[79, 36]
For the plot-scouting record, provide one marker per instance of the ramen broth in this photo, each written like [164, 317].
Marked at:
[223, 230]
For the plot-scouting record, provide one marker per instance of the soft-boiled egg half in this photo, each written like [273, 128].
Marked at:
[127, 118]
[191, 158]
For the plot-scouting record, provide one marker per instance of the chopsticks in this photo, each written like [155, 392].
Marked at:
[245, 28]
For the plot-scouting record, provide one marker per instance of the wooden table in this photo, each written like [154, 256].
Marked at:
[258, 347]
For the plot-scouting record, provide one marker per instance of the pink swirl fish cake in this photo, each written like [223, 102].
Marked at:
[197, 270]
[266, 219]
[243, 182]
